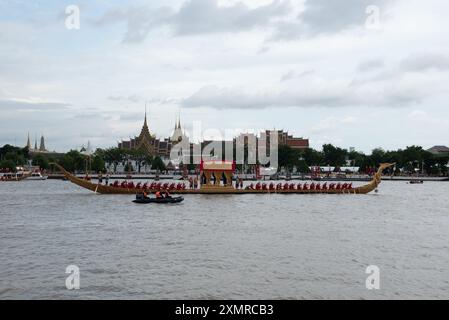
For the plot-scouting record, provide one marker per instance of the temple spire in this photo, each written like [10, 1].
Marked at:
[145, 121]
[145, 129]
[35, 142]
[28, 142]
[42, 145]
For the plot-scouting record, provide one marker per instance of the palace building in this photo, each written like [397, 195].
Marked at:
[162, 148]
[152, 145]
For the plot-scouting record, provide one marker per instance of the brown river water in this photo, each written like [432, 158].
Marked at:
[267, 246]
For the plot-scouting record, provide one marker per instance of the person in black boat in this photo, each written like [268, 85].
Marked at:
[167, 194]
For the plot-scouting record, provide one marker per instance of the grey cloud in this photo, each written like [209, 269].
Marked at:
[370, 65]
[326, 17]
[130, 98]
[132, 116]
[92, 115]
[290, 75]
[139, 20]
[225, 98]
[205, 16]
[263, 50]
[287, 76]
[374, 71]
[425, 61]
[323, 16]
[342, 96]
[194, 17]
[31, 106]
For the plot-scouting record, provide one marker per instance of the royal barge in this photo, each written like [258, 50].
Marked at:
[211, 185]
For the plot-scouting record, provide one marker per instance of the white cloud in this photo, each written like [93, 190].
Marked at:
[219, 56]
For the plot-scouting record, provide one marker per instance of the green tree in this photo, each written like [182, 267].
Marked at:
[8, 164]
[139, 156]
[158, 164]
[128, 167]
[41, 161]
[377, 156]
[73, 161]
[312, 157]
[303, 167]
[334, 156]
[288, 157]
[98, 164]
[114, 156]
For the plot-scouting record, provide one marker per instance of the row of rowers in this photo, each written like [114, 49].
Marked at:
[257, 186]
[149, 186]
[299, 186]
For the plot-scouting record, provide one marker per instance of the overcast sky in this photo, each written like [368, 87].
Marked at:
[326, 70]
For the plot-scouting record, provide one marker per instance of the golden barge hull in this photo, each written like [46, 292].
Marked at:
[103, 189]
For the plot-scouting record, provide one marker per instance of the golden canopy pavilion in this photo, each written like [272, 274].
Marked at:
[213, 172]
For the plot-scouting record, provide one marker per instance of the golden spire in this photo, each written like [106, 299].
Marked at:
[145, 121]
[145, 129]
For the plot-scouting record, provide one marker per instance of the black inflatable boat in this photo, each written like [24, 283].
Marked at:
[159, 200]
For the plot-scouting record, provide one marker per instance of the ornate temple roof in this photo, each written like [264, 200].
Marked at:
[145, 140]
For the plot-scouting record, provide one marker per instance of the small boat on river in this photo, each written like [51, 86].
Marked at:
[13, 176]
[158, 200]
[36, 175]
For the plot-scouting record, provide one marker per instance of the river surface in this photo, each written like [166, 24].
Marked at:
[224, 246]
